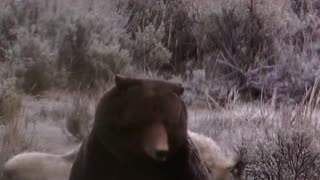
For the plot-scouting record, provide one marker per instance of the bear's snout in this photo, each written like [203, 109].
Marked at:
[156, 143]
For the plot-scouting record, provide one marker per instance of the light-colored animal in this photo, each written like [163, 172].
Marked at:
[45, 166]
[40, 166]
[221, 166]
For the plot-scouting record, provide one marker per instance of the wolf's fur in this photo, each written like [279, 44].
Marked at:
[220, 165]
[40, 166]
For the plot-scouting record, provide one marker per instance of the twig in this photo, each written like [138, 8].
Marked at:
[216, 104]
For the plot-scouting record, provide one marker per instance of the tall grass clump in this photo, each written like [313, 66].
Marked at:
[10, 101]
[79, 120]
[12, 124]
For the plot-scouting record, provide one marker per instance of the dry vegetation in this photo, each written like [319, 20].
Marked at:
[250, 68]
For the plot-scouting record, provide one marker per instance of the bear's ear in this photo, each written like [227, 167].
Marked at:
[177, 88]
[123, 82]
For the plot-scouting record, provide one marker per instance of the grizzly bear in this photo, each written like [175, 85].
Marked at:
[139, 133]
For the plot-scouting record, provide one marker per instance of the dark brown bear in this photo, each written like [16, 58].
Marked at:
[139, 133]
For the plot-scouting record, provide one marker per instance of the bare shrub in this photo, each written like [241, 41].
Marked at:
[303, 8]
[289, 155]
[35, 34]
[147, 50]
[31, 62]
[259, 51]
[10, 101]
[87, 58]
[108, 60]
[272, 144]
[8, 23]
[36, 78]
[237, 42]
[294, 74]
[78, 121]
[176, 19]
[299, 7]
[72, 54]
[12, 124]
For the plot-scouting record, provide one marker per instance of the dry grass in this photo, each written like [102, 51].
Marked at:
[10, 102]
[250, 69]
[80, 118]
[38, 126]
[12, 123]
[276, 143]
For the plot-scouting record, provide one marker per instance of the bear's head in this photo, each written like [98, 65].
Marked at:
[143, 119]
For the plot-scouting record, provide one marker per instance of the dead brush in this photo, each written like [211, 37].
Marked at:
[176, 17]
[290, 154]
[10, 102]
[78, 121]
[14, 139]
[237, 42]
[290, 149]
[12, 123]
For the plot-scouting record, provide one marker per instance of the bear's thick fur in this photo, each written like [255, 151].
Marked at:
[135, 120]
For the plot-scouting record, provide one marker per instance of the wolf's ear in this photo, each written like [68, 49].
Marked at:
[237, 169]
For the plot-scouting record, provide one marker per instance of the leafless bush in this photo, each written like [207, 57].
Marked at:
[247, 47]
[294, 74]
[31, 62]
[8, 23]
[147, 50]
[12, 123]
[273, 144]
[300, 7]
[176, 19]
[88, 59]
[10, 101]
[78, 121]
[237, 42]
[289, 155]
[72, 54]
[34, 34]
[36, 78]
